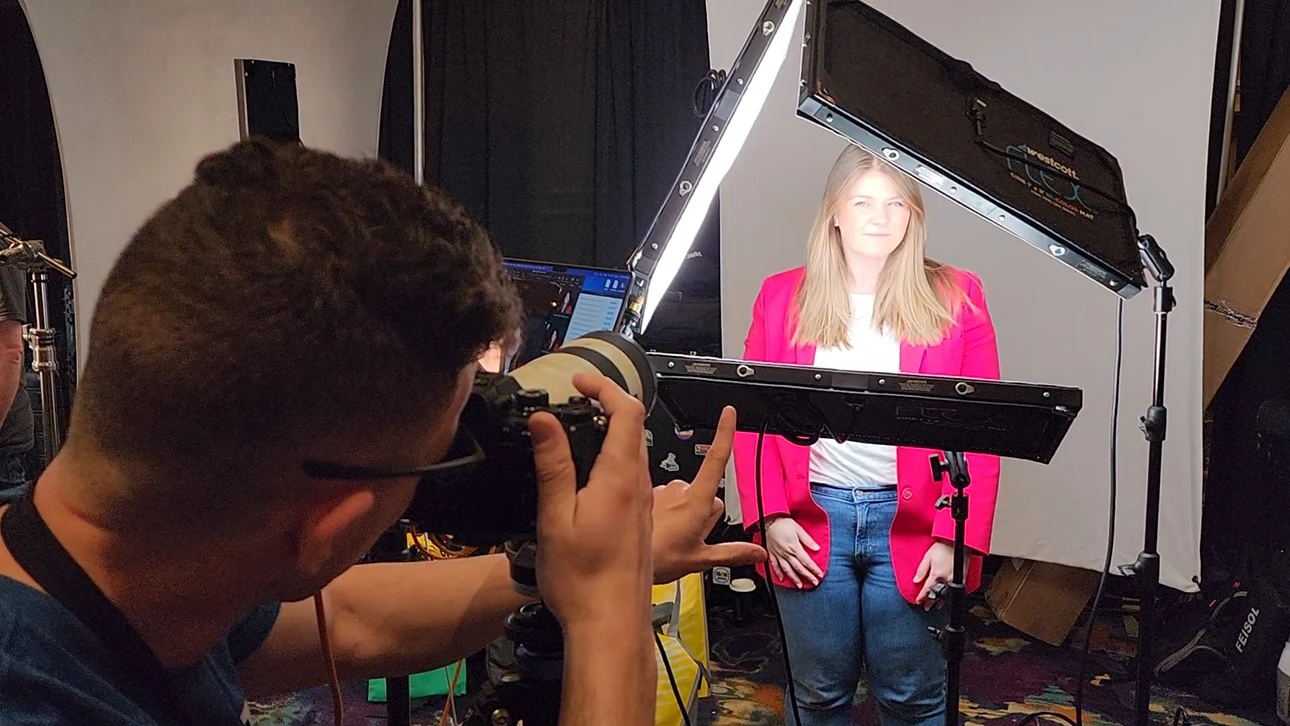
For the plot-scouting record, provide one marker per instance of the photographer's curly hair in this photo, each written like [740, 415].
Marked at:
[285, 292]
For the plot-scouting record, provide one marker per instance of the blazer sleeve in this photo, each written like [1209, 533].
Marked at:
[774, 497]
[980, 360]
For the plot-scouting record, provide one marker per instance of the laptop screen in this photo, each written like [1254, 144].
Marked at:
[564, 303]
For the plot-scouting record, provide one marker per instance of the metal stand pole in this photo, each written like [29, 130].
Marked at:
[44, 361]
[1146, 570]
[953, 636]
[30, 255]
[418, 93]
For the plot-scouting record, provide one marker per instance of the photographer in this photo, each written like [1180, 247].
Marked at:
[291, 307]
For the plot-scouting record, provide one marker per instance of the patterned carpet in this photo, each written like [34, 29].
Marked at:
[1006, 676]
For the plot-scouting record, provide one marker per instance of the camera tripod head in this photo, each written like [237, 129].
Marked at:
[528, 681]
[522, 555]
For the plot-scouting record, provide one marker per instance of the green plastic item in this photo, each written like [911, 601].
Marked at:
[422, 685]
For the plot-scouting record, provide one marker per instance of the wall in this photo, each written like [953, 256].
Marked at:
[142, 89]
[1134, 77]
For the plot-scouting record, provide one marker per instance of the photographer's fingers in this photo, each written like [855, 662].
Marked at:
[623, 445]
[715, 509]
[553, 463]
[734, 554]
[713, 468]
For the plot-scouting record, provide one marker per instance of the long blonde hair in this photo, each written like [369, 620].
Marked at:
[917, 298]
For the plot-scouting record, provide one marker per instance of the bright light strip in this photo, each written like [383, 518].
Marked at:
[757, 89]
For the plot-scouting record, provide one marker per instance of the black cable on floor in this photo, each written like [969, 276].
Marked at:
[1110, 538]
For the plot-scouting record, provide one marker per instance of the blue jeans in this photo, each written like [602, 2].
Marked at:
[857, 621]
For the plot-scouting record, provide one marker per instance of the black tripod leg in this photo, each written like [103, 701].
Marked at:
[398, 701]
[954, 635]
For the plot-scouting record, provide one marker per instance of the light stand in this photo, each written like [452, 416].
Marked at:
[661, 253]
[30, 255]
[952, 637]
[1146, 570]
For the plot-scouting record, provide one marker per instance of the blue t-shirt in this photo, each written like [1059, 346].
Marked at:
[53, 670]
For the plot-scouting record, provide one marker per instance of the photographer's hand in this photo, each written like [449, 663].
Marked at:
[685, 512]
[594, 564]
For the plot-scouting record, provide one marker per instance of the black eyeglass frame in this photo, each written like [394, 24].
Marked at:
[464, 455]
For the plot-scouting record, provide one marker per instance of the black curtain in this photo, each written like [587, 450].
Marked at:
[1241, 486]
[1218, 101]
[31, 185]
[561, 126]
[1265, 68]
[395, 143]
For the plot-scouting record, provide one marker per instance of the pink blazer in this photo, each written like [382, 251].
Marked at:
[969, 351]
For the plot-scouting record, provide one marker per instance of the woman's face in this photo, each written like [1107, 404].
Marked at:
[491, 360]
[872, 216]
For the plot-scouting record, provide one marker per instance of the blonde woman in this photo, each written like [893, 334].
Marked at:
[857, 547]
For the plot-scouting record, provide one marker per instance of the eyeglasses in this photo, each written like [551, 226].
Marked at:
[464, 455]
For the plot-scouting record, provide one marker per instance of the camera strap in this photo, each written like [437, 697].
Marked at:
[45, 559]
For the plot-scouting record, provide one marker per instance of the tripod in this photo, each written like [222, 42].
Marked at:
[529, 689]
[952, 636]
[393, 547]
[1146, 570]
[30, 255]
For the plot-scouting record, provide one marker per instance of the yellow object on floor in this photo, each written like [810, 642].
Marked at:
[685, 641]
[684, 635]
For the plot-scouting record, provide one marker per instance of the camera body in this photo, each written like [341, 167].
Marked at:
[497, 414]
[495, 501]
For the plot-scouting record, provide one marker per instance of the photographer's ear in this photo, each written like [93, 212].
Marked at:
[332, 523]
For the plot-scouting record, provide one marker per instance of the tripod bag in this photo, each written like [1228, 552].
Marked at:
[1226, 649]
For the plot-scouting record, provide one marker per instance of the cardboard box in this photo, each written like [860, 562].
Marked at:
[1247, 247]
[1041, 599]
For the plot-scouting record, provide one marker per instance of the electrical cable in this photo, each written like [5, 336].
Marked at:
[977, 113]
[1110, 537]
[774, 603]
[676, 690]
[705, 94]
[337, 700]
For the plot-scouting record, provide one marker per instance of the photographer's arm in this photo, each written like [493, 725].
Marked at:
[384, 620]
[387, 619]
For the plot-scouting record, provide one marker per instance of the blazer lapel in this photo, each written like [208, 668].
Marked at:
[911, 358]
[804, 355]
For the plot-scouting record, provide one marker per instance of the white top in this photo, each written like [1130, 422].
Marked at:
[853, 464]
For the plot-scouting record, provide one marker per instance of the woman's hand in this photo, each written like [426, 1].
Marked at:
[937, 567]
[787, 544]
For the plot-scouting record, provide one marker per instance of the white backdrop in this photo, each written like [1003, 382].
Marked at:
[1134, 77]
[142, 89]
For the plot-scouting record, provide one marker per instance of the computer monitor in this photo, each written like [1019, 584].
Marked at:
[563, 303]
